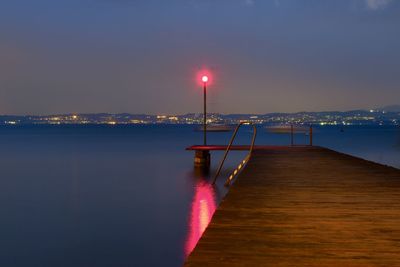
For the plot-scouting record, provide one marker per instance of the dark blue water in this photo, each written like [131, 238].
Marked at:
[126, 195]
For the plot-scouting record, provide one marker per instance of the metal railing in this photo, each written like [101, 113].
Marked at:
[293, 131]
[243, 163]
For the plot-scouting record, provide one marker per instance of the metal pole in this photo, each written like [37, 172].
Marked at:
[291, 135]
[205, 114]
[311, 137]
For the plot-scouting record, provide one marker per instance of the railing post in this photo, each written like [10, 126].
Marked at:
[311, 135]
[291, 135]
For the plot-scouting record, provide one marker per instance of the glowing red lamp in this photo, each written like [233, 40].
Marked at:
[205, 78]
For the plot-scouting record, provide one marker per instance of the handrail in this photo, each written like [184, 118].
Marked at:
[236, 171]
[292, 131]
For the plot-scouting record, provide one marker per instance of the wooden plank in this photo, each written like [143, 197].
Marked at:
[306, 207]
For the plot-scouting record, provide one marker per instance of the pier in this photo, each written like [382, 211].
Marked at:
[305, 206]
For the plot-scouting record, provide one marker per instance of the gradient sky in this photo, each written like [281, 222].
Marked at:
[141, 56]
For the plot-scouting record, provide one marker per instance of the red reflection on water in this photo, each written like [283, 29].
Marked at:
[203, 207]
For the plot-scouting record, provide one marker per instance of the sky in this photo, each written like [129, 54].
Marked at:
[143, 56]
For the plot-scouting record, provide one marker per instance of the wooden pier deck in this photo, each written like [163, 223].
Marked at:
[306, 206]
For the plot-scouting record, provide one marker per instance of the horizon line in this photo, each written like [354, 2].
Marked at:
[183, 114]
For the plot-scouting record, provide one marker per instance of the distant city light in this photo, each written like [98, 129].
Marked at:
[204, 78]
[353, 118]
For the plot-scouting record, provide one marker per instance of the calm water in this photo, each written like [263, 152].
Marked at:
[126, 195]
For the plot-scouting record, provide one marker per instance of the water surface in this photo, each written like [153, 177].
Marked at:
[126, 195]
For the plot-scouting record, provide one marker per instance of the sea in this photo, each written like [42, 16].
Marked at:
[128, 195]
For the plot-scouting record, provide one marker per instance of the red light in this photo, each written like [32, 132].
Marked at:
[203, 77]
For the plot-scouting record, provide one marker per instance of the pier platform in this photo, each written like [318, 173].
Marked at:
[305, 206]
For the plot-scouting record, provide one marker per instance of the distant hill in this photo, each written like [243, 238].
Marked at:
[391, 108]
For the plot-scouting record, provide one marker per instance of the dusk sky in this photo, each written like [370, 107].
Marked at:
[141, 56]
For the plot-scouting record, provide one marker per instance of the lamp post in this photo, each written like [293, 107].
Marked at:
[204, 79]
[202, 156]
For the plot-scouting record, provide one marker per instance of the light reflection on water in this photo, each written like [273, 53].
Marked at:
[202, 209]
